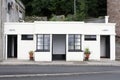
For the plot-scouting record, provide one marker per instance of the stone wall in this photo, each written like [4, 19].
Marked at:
[113, 11]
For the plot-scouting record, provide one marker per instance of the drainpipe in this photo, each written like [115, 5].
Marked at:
[1, 30]
[75, 7]
[106, 19]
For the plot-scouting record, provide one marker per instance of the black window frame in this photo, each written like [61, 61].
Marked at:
[24, 37]
[74, 43]
[43, 43]
[90, 38]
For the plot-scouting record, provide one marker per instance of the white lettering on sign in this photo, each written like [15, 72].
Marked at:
[11, 29]
[105, 30]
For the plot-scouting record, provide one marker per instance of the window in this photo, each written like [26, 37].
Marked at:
[9, 7]
[90, 37]
[74, 42]
[27, 37]
[43, 42]
[20, 14]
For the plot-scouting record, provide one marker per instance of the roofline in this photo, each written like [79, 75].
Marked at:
[20, 3]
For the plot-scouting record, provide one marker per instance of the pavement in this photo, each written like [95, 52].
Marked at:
[102, 62]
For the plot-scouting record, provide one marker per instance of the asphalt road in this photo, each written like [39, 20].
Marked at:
[77, 77]
[38, 72]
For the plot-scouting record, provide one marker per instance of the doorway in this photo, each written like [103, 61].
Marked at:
[58, 47]
[12, 46]
[105, 47]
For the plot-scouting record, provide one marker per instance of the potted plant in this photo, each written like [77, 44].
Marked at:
[31, 55]
[87, 54]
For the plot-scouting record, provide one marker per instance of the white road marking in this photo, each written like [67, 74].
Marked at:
[55, 74]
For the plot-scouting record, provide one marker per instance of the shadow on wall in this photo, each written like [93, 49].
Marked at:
[117, 48]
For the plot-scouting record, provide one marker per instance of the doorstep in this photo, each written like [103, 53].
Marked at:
[102, 62]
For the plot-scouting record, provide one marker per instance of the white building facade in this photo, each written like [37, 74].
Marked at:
[10, 11]
[59, 40]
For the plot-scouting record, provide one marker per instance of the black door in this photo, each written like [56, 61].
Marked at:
[107, 46]
[12, 46]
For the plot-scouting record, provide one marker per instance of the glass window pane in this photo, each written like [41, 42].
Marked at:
[71, 43]
[77, 43]
[40, 47]
[47, 47]
[77, 36]
[39, 43]
[46, 40]
[77, 40]
[71, 40]
[46, 44]
[71, 47]
[39, 35]
[77, 47]
[71, 35]
[47, 36]
[41, 40]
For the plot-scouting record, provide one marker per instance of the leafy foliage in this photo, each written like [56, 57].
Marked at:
[87, 51]
[84, 8]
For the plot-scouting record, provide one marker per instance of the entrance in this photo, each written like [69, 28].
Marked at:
[59, 47]
[12, 46]
[105, 46]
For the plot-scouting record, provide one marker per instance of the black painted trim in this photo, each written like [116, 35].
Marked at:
[90, 39]
[24, 37]
[42, 50]
[74, 43]
[75, 50]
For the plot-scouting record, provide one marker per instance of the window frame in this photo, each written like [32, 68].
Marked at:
[90, 38]
[43, 43]
[23, 37]
[74, 43]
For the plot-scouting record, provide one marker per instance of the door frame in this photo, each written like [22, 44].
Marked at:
[107, 46]
[65, 46]
[14, 46]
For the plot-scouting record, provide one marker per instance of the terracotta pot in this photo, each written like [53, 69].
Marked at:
[31, 56]
[87, 57]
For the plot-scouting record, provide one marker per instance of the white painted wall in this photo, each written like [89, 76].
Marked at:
[44, 56]
[24, 46]
[62, 28]
[94, 47]
[73, 56]
[19, 28]
[112, 47]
